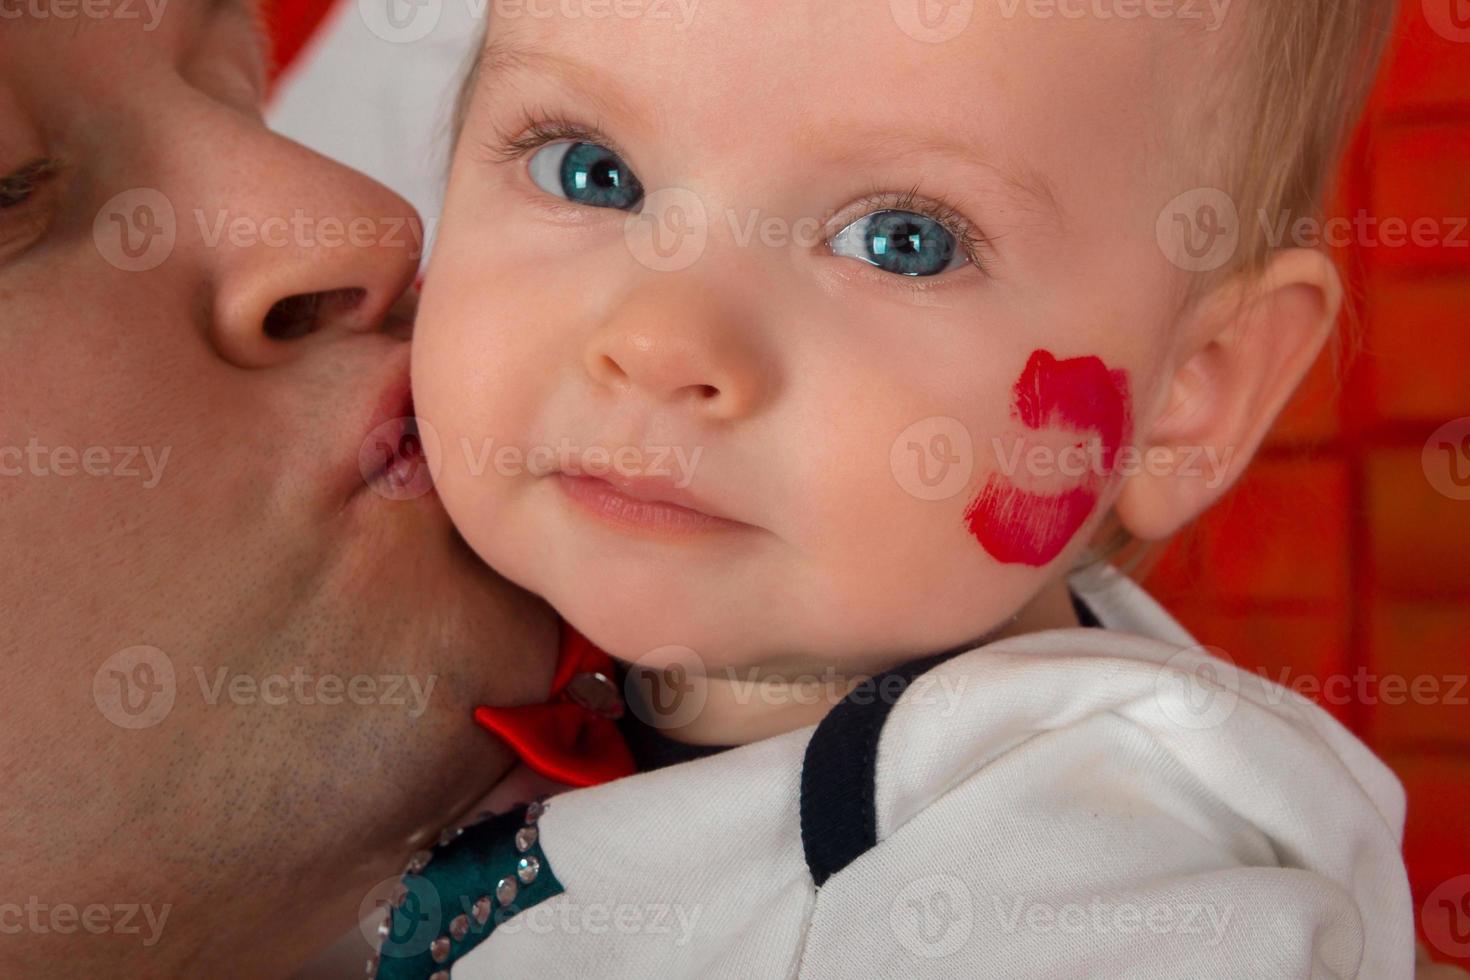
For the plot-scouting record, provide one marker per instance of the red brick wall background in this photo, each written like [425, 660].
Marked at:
[1337, 566]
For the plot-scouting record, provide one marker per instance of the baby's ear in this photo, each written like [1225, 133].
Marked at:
[1239, 354]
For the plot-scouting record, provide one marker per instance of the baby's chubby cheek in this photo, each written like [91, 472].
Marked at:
[990, 499]
[471, 382]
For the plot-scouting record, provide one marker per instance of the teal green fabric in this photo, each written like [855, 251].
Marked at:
[461, 872]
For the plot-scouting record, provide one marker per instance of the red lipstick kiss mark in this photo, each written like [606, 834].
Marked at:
[1022, 527]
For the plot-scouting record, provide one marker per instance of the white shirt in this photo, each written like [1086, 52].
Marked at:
[1071, 803]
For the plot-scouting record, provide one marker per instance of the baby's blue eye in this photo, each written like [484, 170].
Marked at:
[585, 173]
[901, 242]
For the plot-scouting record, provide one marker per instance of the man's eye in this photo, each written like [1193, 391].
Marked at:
[585, 173]
[18, 187]
[900, 242]
[27, 206]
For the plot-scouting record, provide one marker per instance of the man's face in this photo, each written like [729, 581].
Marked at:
[199, 377]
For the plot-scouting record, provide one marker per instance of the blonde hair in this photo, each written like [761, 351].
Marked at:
[1291, 85]
[1293, 80]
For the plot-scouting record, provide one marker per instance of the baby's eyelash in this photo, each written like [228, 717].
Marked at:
[536, 129]
[973, 242]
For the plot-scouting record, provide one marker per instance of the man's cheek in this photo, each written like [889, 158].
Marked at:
[1072, 418]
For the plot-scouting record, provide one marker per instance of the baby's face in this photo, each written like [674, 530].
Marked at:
[847, 291]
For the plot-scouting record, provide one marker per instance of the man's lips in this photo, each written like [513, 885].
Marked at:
[642, 503]
[390, 458]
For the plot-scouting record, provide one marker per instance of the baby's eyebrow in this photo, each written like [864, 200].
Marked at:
[500, 58]
[1028, 187]
[856, 143]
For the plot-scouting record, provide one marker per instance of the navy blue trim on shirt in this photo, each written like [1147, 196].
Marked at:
[839, 819]
[1084, 612]
[650, 746]
[839, 815]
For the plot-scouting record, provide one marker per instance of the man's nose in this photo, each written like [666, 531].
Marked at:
[678, 344]
[298, 246]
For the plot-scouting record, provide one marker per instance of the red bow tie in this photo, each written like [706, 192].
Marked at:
[573, 738]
